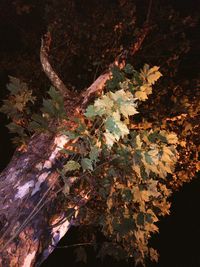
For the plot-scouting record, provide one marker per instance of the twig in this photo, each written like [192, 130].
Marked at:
[75, 245]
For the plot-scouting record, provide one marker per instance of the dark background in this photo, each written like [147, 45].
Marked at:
[179, 239]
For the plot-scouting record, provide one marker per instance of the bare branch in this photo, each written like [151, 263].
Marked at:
[53, 77]
[97, 86]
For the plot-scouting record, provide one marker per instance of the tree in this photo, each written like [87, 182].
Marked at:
[81, 138]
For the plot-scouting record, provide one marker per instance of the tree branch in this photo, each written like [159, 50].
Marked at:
[53, 77]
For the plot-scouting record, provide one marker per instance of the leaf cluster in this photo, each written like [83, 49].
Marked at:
[126, 168]
[132, 167]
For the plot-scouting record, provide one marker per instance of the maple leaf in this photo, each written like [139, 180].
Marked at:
[124, 99]
[90, 111]
[141, 95]
[128, 109]
[110, 139]
[94, 153]
[123, 128]
[140, 196]
[119, 95]
[167, 154]
[153, 75]
[146, 88]
[172, 138]
[165, 168]
[152, 188]
[104, 103]
[86, 164]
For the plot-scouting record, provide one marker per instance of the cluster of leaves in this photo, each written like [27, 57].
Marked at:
[132, 164]
[18, 108]
[52, 109]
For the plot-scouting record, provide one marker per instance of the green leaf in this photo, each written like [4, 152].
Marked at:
[94, 153]
[48, 107]
[110, 139]
[129, 69]
[90, 111]
[55, 105]
[117, 77]
[71, 166]
[14, 128]
[128, 109]
[148, 158]
[12, 88]
[117, 74]
[104, 105]
[54, 94]
[111, 126]
[148, 218]
[86, 164]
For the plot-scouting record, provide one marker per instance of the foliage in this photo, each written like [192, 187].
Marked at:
[126, 167]
[132, 167]
[18, 108]
[165, 47]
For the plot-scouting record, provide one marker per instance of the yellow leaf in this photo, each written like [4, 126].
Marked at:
[150, 227]
[167, 155]
[138, 141]
[140, 196]
[110, 139]
[104, 103]
[128, 109]
[123, 128]
[182, 143]
[165, 168]
[152, 188]
[136, 168]
[172, 138]
[153, 75]
[141, 95]
[146, 88]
